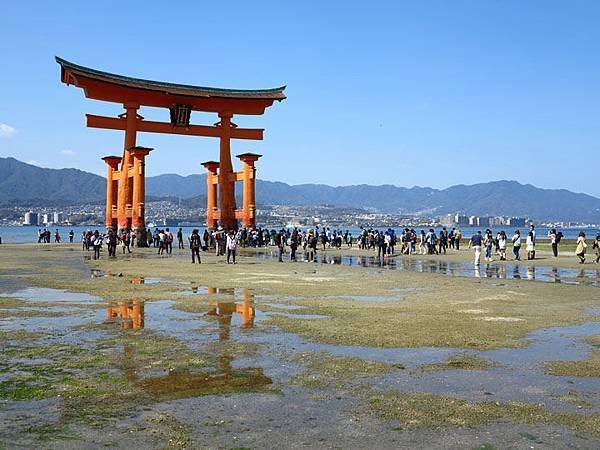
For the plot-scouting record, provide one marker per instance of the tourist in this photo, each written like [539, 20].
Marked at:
[451, 237]
[280, 243]
[596, 245]
[293, 243]
[530, 245]
[457, 238]
[194, 240]
[443, 240]
[160, 237]
[502, 245]
[180, 239]
[232, 243]
[533, 239]
[111, 240]
[476, 242]
[71, 236]
[516, 241]
[489, 243]
[206, 239]
[149, 237]
[168, 241]
[126, 240]
[97, 240]
[553, 241]
[57, 237]
[581, 246]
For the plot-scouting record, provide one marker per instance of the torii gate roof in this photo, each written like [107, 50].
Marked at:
[111, 87]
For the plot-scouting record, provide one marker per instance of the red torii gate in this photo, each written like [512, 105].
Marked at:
[125, 193]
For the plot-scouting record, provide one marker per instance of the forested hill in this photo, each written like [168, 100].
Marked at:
[25, 184]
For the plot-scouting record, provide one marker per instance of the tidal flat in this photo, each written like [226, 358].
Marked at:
[153, 351]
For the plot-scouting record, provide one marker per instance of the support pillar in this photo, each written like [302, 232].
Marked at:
[226, 175]
[249, 193]
[125, 197]
[112, 187]
[138, 222]
[212, 181]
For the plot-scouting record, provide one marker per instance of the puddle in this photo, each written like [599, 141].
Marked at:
[370, 298]
[53, 295]
[284, 306]
[509, 270]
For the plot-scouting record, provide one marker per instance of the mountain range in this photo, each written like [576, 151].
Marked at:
[27, 185]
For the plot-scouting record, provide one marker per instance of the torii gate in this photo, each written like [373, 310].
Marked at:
[125, 193]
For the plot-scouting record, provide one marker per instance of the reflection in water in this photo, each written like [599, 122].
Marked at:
[130, 314]
[222, 377]
[509, 270]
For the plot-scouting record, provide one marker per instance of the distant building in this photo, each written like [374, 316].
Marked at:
[57, 217]
[461, 220]
[516, 222]
[31, 218]
[447, 220]
[46, 219]
[474, 221]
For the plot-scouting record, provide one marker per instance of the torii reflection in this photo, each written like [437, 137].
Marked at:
[220, 377]
[130, 314]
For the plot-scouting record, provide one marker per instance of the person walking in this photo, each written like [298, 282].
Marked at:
[71, 236]
[596, 245]
[293, 245]
[489, 244]
[232, 243]
[530, 245]
[502, 245]
[280, 243]
[475, 243]
[554, 242]
[126, 241]
[457, 238]
[516, 241]
[195, 246]
[581, 246]
[111, 239]
[97, 244]
[180, 239]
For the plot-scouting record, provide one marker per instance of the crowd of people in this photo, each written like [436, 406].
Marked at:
[384, 242]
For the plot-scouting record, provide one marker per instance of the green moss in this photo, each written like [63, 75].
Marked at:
[416, 410]
[326, 370]
[461, 361]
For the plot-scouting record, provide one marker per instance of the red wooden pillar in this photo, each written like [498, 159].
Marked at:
[125, 198]
[112, 187]
[226, 175]
[139, 187]
[249, 194]
[212, 180]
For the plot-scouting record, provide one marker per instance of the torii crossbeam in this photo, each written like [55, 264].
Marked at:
[125, 181]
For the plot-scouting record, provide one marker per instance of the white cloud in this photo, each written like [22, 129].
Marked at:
[6, 131]
[68, 152]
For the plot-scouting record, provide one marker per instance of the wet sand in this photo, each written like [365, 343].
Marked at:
[151, 351]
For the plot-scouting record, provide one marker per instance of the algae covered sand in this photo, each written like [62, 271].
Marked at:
[166, 353]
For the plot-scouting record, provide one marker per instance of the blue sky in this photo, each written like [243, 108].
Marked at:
[430, 93]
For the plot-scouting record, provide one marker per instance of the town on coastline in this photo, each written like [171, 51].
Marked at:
[177, 213]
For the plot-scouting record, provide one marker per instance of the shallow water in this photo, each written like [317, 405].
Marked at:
[508, 270]
[232, 316]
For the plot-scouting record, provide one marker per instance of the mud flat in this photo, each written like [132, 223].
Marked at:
[152, 351]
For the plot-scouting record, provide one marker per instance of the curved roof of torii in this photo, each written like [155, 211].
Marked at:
[111, 87]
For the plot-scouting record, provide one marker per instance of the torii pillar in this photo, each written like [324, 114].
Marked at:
[112, 189]
[212, 181]
[138, 178]
[249, 192]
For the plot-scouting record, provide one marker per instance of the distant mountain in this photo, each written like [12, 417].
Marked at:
[25, 184]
